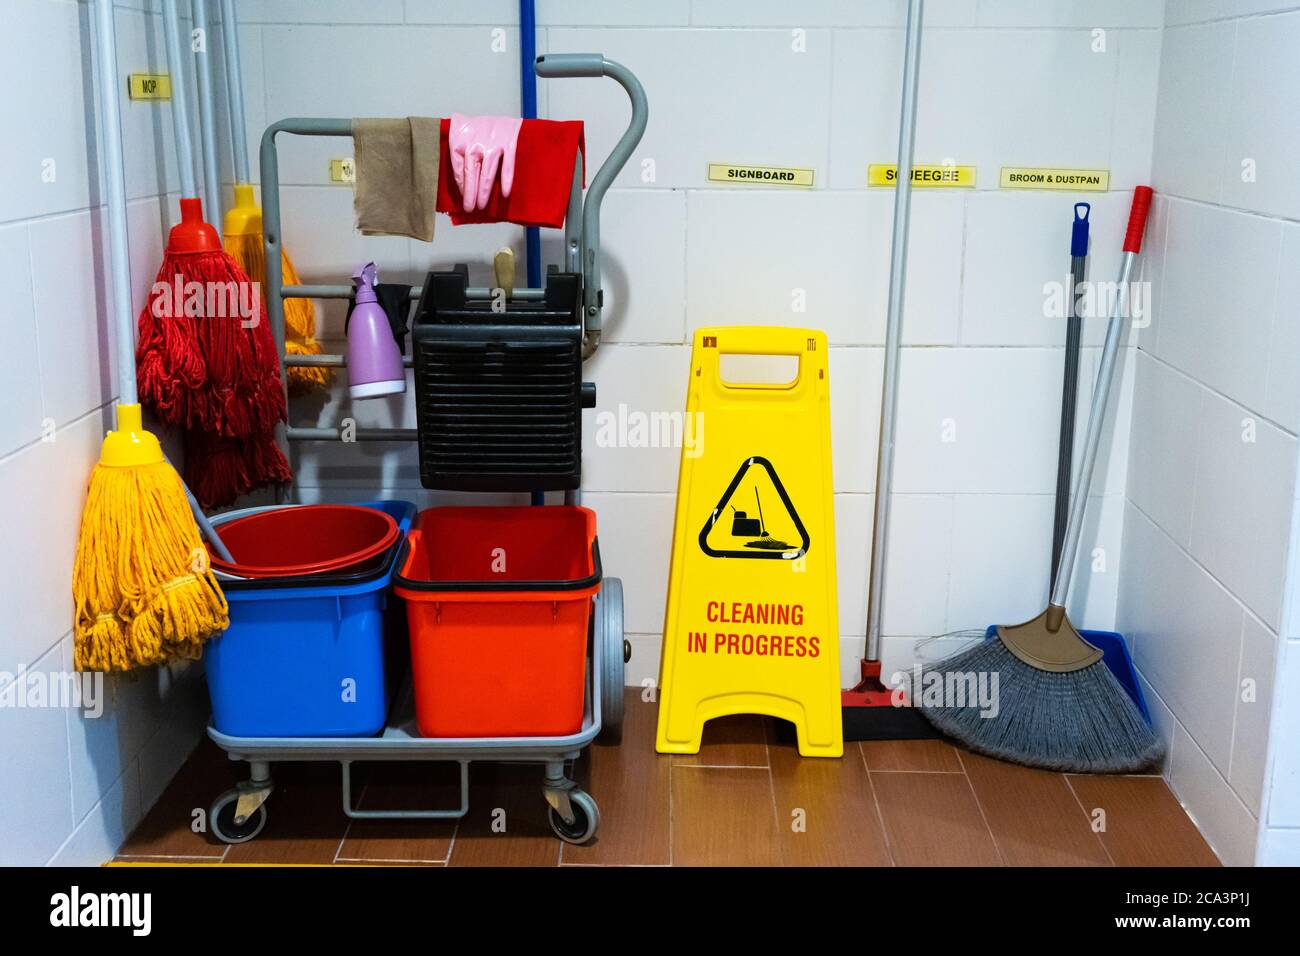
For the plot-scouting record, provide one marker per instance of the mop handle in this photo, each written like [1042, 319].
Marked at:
[1137, 220]
[207, 120]
[115, 181]
[894, 326]
[180, 100]
[119, 254]
[235, 91]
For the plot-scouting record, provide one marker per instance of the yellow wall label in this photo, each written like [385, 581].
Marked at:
[343, 170]
[923, 177]
[764, 175]
[149, 86]
[1029, 177]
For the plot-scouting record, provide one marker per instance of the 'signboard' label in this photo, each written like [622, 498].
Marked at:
[760, 175]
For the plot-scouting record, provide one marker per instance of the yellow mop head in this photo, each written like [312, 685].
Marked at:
[141, 585]
[242, 237]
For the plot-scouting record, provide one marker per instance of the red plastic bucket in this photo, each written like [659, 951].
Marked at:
[306, 539]
[499, 601]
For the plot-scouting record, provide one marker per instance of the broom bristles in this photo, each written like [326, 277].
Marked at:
[1077, 722]
[141, 587]
[299, 314]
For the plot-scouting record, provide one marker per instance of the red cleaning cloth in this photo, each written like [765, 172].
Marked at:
[544, 158]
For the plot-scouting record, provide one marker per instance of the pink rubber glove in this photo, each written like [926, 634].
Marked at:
[479, 146]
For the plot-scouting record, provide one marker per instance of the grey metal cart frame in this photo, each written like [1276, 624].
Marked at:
[238, 815]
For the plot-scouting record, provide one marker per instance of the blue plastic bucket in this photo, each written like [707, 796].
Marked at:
[306, 659]
[1115, 655]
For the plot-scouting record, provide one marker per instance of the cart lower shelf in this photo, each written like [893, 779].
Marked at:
[239, 815]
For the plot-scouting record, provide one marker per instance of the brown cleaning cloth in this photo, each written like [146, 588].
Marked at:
[397, 176]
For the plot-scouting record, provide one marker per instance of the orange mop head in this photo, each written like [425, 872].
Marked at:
[142, 589]
[242, 236]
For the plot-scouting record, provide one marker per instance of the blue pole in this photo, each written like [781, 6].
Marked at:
[528, 92]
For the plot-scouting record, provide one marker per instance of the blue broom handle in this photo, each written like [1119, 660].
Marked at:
[180, 100]
[235, 91]
[1096, 420]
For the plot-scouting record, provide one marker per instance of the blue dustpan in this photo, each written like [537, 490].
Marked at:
[1115, 655]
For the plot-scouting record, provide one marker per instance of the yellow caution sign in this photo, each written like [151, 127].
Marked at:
[751, 625]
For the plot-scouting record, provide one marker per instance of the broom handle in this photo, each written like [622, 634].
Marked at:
[235, 91]
[180, 100]
[207, 112]
[118, 250]
[1137, 220]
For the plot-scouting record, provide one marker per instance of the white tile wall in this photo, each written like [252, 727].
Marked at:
[1242, 487]
[739, 96]
[1217, 331]
[1282, 403]
[38, 791]
[1259, 647]
[1003, 82]
[825, 262]
[1195, 82]
[20, 415]
[1196, 11]
[1185, 633]
[1227, 824]
[1266, 71]
[1213, 449]
[74, 787]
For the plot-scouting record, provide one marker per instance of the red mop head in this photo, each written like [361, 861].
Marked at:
[219, 470]
[206, 355]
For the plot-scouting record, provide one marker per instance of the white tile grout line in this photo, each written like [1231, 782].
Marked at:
[875, 799]
[1087, 818]
[980, 807]
[1246, 608]
[771, 790]
[347, 830]
[671, 763]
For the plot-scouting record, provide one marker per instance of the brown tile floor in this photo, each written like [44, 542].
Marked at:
[745, 799]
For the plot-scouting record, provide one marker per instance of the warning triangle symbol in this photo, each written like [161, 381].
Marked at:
[754, 518]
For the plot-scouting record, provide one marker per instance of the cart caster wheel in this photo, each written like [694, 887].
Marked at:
[221, 819]
[586, 817]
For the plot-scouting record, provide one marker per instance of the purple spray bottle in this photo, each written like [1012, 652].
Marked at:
[374, 362]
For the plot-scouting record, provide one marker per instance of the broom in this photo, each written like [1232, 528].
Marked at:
[142, 591]
[242, 228]
[1055, 703]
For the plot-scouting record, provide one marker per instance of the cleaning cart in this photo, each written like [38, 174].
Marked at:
[555, 327]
